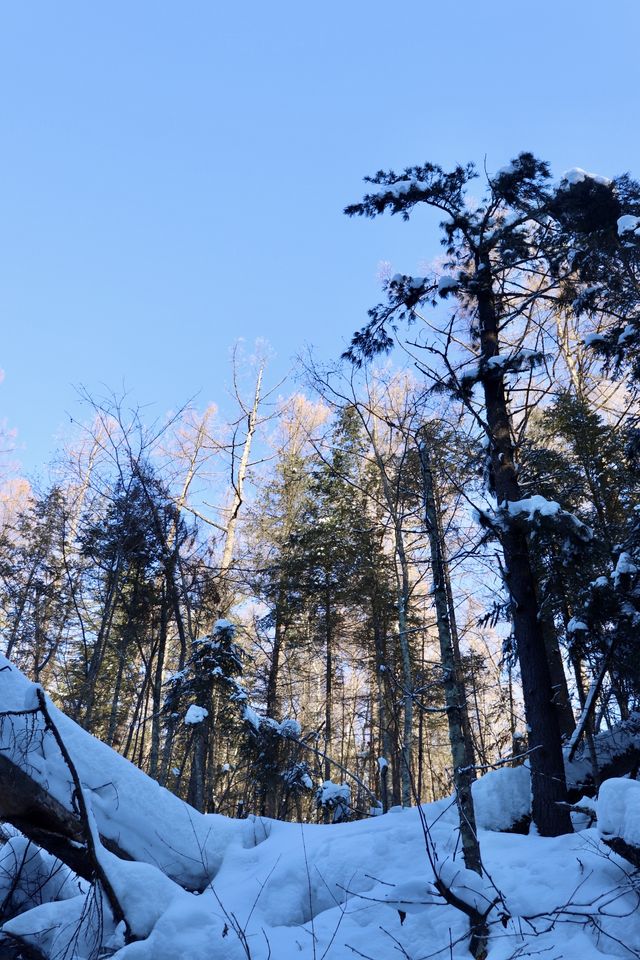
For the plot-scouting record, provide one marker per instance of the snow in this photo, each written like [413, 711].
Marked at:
[335, 891]
[616, 742]
[516, 361]
[628, 333]
[290, 729]
[142, 890]
[411, 896]
[532, 505]
[498, 362]
[502, 798]
[309, 891]
[538, 506]
[401, 187]
[619, 810]
[252, 717]
[446, 284]
[624, 567]
[39, 870]
[330, 792]
[195, 715]
[628, 224]
[576, 626]
[578, 175]
[130, 809]
[506, 363]
[335, 797]
[469, 886]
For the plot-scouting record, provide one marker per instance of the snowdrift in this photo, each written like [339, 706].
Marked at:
[207, 888]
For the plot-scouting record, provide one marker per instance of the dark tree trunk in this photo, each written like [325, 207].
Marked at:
[545, 744]
[274, 667]
[195, 794]
[561, 697]
[328, 688]
[387, 752]
[87, 697]
[156, 693]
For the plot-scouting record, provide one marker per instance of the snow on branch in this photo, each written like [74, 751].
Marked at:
[537, 513]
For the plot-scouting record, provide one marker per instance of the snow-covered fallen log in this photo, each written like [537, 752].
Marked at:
[136, 818]
[617, 751]
[29, 806]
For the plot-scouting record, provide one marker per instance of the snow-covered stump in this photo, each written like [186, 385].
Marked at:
[502, 799]
[619, 817]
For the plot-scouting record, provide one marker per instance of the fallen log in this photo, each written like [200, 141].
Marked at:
[617, 752]
[136, 818]
[625, 850]
[44, 820]
[15, 948]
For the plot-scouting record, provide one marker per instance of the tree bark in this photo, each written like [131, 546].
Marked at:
[328, 681]
[545, 744]
[457, 717]
[561, 697]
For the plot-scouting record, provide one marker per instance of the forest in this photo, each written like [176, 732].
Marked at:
[352, 671]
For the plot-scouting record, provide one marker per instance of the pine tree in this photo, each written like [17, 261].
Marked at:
[206, 698]
[508, 256]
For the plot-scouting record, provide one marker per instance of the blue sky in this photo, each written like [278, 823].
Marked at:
[173, 174]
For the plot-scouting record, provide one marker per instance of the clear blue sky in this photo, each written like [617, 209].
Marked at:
[173, 174]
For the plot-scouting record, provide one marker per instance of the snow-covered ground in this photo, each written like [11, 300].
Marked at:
[282, 891]
[336, 892]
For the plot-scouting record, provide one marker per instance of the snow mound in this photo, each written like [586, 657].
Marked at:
[365, 887]
[619, 810]
[502, 798]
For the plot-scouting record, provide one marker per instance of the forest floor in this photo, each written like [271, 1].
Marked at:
[282, 891]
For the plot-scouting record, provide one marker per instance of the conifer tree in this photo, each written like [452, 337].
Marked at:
[528, 243]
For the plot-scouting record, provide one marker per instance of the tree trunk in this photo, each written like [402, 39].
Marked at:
[195, 793]
[272, 704]
[328, 682]
[545, 745]
[381, 685]
[87, 696]
[156, 695]
[561, 697]
[402, 594]
[459, 729]
[238, 491]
